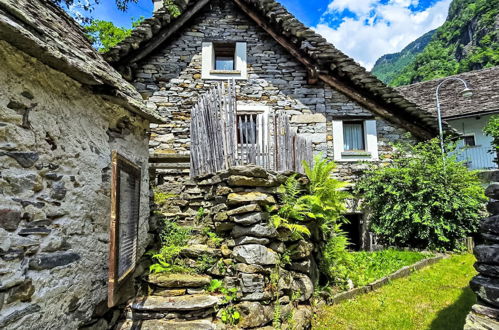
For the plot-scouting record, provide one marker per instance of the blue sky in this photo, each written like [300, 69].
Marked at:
[363, 29]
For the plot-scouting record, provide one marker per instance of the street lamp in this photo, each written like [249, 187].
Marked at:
[466, 93]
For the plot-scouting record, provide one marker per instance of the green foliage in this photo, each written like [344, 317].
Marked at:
[160, 197]
[173, 239]
[105, 35]
[321, 203]
[436, 297]
[423, 199]
[204, 262]
[446, 54]
[291, 209]
[215, 286]
[367, 267]
[214, 240]
[492, 130]
[326, 202]
[388, 67]
[228, 314]
[172, 8]
[336, 260]
[200, 214]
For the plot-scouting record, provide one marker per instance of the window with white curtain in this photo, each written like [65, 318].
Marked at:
[355, 140]
[353, 136]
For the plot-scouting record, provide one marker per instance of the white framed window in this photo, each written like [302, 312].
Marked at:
[469, 140]
[224, 60]
[355, 140]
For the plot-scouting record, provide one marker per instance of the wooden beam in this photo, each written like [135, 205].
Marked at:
[168, 32]
[331, 81]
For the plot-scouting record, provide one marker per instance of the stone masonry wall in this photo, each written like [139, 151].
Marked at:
[485, 314]
[170, 79]
[273, 271]
[56, 140]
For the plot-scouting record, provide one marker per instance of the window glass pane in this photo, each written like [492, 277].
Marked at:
[246, 127]
[353, 136]
[224, 63]
[469, 141]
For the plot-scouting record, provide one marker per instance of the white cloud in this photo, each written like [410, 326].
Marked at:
[379, 29]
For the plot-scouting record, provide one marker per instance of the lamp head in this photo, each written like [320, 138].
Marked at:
[467, 93]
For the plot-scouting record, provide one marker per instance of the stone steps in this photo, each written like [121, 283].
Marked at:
[167, 325]
[178, 281]
[183, 303]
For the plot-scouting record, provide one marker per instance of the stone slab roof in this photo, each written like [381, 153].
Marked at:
[485, 99]
[321, 58]
[44, 31]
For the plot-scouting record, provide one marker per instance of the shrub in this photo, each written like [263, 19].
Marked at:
[321, 204]
[492, 130]
[423, 199]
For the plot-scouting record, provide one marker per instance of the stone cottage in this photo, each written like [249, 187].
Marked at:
[73, 151]
[278, 65]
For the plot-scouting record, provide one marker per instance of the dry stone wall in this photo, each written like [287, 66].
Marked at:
[273, 271]
[485, 314]
[56, 140]
[170, 79]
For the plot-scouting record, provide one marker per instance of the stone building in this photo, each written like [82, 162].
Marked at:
[279, 65]
[63, 112]
[468, 116]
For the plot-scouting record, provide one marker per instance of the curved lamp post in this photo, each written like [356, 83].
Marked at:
[466, 93]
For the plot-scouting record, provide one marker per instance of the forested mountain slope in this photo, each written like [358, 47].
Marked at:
[390, 66]
[468, 40]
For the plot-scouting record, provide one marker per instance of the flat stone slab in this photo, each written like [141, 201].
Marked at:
[254, 231]
[245, 181]
[198, 250]
[255, 254]
[168, 325]
[248, 219]
[178, 280]
[244, 209]
[250, 198]
[175, 304]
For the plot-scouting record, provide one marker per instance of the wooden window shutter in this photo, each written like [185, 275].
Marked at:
[124, 223]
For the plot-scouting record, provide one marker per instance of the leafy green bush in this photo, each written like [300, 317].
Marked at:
[492, 130]
[423, 199]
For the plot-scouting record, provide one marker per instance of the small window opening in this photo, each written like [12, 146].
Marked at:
[353, 136]
[247, 129]
[469, 141]
[225, 54]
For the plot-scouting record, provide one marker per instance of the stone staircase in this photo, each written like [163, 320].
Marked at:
[174, 301]
[248, 258]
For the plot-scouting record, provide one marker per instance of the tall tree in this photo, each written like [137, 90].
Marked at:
[105, 35]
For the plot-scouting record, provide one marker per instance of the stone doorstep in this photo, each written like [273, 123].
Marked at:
[175, 304]
[402, 272]
[178, 280]
[163, 324]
